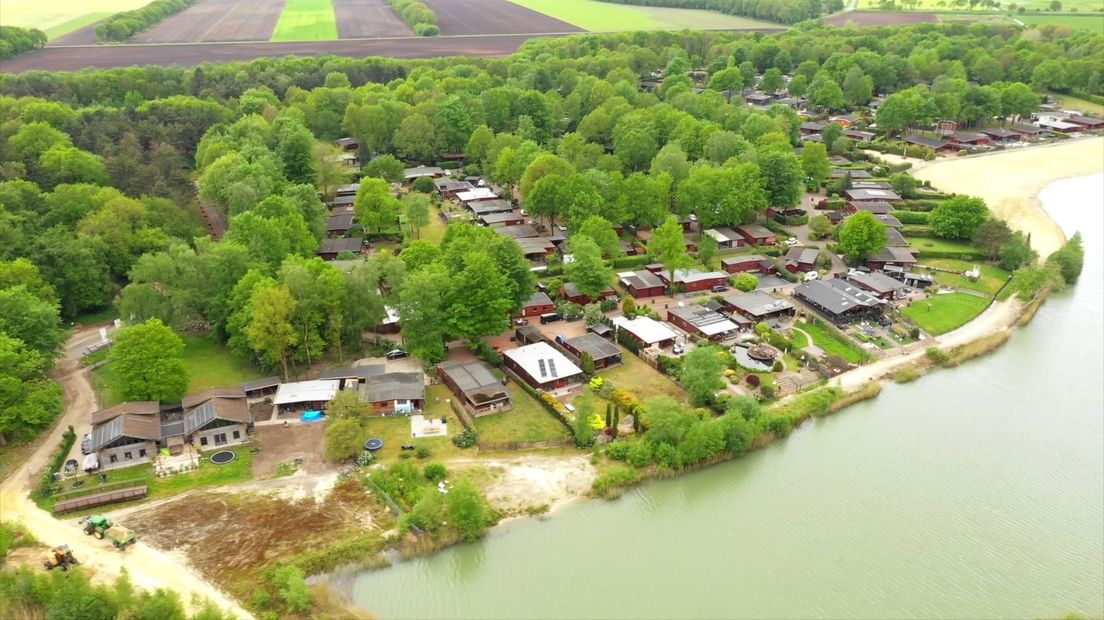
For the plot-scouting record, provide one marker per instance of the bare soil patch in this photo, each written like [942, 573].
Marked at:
[880, 18]
[526, 482]
[493, 17]
[190, 55]
[280, 444]
[83, 36]
[218, 20]
[358, 19]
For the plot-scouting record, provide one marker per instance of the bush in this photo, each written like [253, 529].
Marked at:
[47, 486]
[937, 355]
[464, 439]
[618, 450]
[615, 479]
[426, 30]
[435, 472]
[422, 452]
[777, 367]
[421, 19]
[423, 185]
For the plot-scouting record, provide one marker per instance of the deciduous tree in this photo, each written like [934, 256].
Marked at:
[148, 361]
[668, 247]
[861, 236]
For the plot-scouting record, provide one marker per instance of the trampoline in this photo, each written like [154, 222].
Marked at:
[223, 457]
[373, 444]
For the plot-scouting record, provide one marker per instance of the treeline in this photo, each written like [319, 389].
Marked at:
[15, 40]
[124, 25]
[781, 11]
[421, 19]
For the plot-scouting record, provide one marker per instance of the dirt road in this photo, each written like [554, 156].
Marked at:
[148, 567]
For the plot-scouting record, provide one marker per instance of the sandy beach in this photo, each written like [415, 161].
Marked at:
[1010, 182]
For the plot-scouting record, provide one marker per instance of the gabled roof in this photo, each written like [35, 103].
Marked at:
[739, 260]
[688, 276]
[877, 207]
[339, 222]
[192, 400]
[875, 281]
[880, 195]
[639, 279]
[259, 384]
[839, 173]
[755, 231]
[889, 220]
[894, 238]
[422, 171]
[723, 234]
[893, 255]
[928, 142]
[337, 246]
[395, 386]
[518, 231]
[598, 347]
[475, 380]
[706, 321]
[490, 206]
[133, 425]
[229, 409]
[802, 255]
[542, 362]
[538, 298]
[145, 407]
[835, 296]
[500, 217]
[757, 303]
[646, 329]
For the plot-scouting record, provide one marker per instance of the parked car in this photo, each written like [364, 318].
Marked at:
[811, 275]
[521, 322]
[720, 288]
[86, 443]
[678, 349]
[396, 354]
[792, 241]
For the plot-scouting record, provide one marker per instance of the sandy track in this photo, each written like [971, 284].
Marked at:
[190, 55]
[1010, 181]
[358, 19]
[148, 567]
[493, 17]
[218, 20]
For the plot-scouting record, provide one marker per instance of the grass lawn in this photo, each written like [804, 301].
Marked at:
[940, 314]
[306, 20]
[528, 421]
[643, 380]
[209, 364]
[800, 340]
[601, 17]
[97, 317]
[434, 232]
[831, 344]
[396, 431]
[1067, 101]
[1092, 22]
[932, 244]
[992, 278]
[51, 16]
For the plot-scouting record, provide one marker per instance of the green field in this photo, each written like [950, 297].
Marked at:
[992, 278]
[828, 342]
[527, 421]
[949, 6]
[306, 20]
[1093, 22]
[209, 363]
[940, 314]
[58, 17]
[932, 244]
[1071, 102]
[602, 17]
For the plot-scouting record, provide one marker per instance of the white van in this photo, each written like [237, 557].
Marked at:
[811, 275]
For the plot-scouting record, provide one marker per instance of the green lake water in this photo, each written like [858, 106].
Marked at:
[972, 493]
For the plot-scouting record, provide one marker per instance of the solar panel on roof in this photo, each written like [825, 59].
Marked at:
[199, 417]
[540, 365]
[552, 367]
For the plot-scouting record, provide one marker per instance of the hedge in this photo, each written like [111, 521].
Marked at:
[917, 231]
[15, 41]
[46, 486]
[943, 254]
[421, 19]
[122, 26]
[912, 217]
[622, 262]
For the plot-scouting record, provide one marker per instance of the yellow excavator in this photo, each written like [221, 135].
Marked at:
[60, 557]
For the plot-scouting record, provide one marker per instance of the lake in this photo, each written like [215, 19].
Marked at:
[975, 492]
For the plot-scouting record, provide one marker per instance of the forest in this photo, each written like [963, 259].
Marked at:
[103, 174]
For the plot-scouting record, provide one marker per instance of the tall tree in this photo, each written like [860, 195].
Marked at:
[480, 300]
[782, 176]
[295, 145]
[424, 312]
[374, 205]
[601, 232]
[30, 319]
[991, 235]
[668, 248]
[270, 331]
[587, 270]
[959, 217]
[707, 249]
[28, 400]
[330, 172]
[415, 213]
[148, 359]
[861, 236]
[814, 161]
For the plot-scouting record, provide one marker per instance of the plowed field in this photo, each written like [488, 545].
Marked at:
[217, 20]
[358, 19]
[493, 17]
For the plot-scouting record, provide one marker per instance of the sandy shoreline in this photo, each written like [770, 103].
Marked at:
[1011, 180]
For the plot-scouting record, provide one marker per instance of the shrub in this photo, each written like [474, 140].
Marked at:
[435, 472]
[422, 452]
[937, 355]
[618, 450]
[753, 380]
[421, 19]
[777, 366]
[464, 439]
[615, 479]
[906, 375]
[767, 390]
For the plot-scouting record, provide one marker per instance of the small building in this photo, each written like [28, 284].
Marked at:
[811, 127]
[259, 388]
[965, 138]
[418, 172]
[703, 322]
[645, 331]
[915, 280]
[305, 395]
[726, 238]
[215, 422]
[338, 225]
[860, 136]
[758, 306]
[485, 207]
[344, 191]
[751, 263]
[838, 300]
[754, 234]
[601, 329]
[939, 146]
[542, 367]
[1002, 136]
[520, 231]
[331, 248]
[528, 334]
[895, 239]
[691, 280]
[602, 351]
[877, 284]
[475, 385]
[348, 144]
[476, 194]
[877, 207]
[870, 195]
[1088, 123]
[510, 218]
[448, 187]
[839, 173]
[758, 100]
[1058, 126]
[1028, 131]
[126, 434]
[393, 393]
[871, 185]
[539, 303]
[889, 220]
[571, 293]
[896, 256]
[192, 401]
[846, 120]
[801, 259]
[536, 249]
[352, 376]
[343, 210]
[641, 283]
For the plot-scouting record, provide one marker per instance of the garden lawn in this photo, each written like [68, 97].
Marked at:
[209, 364]
[395, 431]
[100, 316]
[832, 345]
[306, 20]
[946, 246]
[940, 314]
[992, 277]
[1068, 101]
[527, 421]
[434, 232]
[642, 380]
[603, 17]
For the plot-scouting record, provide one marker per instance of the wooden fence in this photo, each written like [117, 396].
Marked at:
[526, 445]
[100, 498]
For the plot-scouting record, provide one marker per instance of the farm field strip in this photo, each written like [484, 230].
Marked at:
[77, 31]
[306, 20]
[493, 17]
[357, 19]
[602, 17]
[1092, 22]
[881, 18]
[51, 15]
[217, 20]
[944, 6]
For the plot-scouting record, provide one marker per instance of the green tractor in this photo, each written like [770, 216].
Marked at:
[100, 527]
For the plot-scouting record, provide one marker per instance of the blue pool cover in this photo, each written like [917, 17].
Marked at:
[311, 416]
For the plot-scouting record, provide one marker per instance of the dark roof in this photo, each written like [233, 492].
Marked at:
[500, 217]
[192, 400]
[812, 126]
[877, 195]
[535, 245]
[229, 409]
[889, 220]
[396, 386]
[422, 171]
[337, 246]
[1027, 129]
[928, 142]
[570, 289]
[145, 407]
[451, 185]
[339, 222]
[641, 279]
[343, 201]
[600, 328]
[356, 372]
[965, 136]
[877, 207]
[754, 230]
[475, 380]
[260, 384]
[538, 298]
[835, 296]
[1000, 133]
[747, 258]
[598, 347]
[893, 255]
[497, 205]
[799, 254]
[878, 282]
[347, 142]
[137, 426]
[839, 173]
[758, 303]
[895, 239]
[519, 231]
